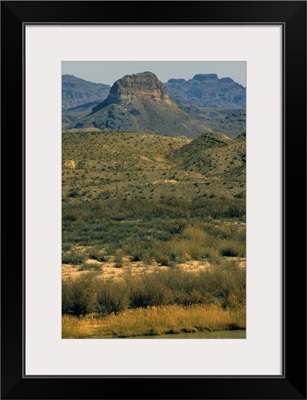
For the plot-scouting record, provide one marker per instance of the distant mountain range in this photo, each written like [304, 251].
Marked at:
[76, 92]
[141, 103]
[207, 90]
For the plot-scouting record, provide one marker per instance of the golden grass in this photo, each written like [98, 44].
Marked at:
[155, 321]
[194, 243]
[75, 328]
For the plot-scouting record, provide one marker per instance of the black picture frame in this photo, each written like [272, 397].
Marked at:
[292, 16]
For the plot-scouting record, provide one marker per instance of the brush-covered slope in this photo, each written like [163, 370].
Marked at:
[129, 166]
[72, 115]
[139, 103]
[214, 155]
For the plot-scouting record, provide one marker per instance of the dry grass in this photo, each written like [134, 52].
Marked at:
[75, 328]
[108, 270]
[155, 321]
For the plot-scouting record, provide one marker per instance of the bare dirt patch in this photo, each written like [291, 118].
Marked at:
[129, 268]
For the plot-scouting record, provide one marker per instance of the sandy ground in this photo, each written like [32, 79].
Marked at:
[108, 270]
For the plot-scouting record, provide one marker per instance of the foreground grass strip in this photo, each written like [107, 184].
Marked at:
[153, 321]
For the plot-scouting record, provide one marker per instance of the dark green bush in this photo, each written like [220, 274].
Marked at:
[118, 260]
[149, 290]
[90, 267]
[83, 295]
[229, 252]
[234, 212]
[112, 297]
[97, 254]
[73, 257]
[73, 193]
[66, 297]
[164, 259]
[225, 285]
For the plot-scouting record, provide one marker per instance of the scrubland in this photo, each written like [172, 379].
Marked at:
[151, 244]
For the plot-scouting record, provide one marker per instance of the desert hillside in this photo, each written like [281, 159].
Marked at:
[128, 165]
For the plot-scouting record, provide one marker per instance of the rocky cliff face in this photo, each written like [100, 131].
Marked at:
[145, 85]
[140, 103]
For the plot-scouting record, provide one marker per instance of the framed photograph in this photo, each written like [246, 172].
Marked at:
[157, 193]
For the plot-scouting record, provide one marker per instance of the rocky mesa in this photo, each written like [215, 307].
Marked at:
[140, 103]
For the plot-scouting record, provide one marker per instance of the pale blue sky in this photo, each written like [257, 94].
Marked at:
[109, 71]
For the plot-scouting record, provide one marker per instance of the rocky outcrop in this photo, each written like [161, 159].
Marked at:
[145, 85]
[140, 103]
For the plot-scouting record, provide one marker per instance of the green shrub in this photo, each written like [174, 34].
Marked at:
[90, 267]
[112, 297]
[148, 290]
[68, 217]
[233, 212]
[229, 252]
[66, 297]
[225, 285]
[73, 193]
[232, 248]
[118, 260]
[97, 254]
[73, 257]
[240, 195]
[164, 260]
[83, 295]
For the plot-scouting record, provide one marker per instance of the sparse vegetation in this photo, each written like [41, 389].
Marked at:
[156, 202]
[150, 237]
